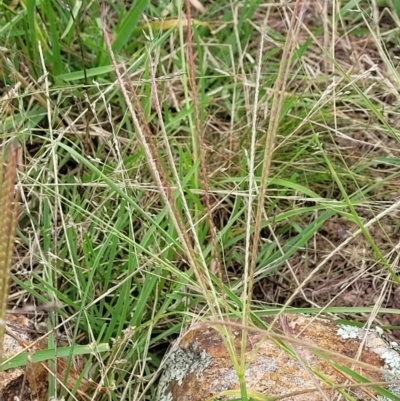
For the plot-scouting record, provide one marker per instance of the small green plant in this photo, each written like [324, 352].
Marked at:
[8, 219]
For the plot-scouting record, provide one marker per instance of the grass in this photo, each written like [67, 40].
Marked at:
[174, 165]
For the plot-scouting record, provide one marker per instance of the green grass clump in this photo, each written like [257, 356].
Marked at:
[184, 164]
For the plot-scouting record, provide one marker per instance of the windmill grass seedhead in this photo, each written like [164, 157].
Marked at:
[8, 218]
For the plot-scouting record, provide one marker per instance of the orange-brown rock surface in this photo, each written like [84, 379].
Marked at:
[301, 359]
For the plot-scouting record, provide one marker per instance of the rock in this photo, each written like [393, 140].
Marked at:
[288, 362]
[27, 383]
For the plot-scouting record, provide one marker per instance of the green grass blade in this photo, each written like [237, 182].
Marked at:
[125, 28]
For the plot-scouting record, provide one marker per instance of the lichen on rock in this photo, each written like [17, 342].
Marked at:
[180, 364]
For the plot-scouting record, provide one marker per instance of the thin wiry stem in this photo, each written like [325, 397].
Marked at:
[200, 133]
[279, 98]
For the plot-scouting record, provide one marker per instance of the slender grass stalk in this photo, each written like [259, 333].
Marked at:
[277, 105]
[202, 146]
[8, 218]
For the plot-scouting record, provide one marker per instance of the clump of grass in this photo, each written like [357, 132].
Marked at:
[172, 232]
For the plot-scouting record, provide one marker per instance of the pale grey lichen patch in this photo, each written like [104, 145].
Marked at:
[350, 332]
[299, 381]
[260, 367]
[179, 365]
[226, 380]
[392, 361]
[392, 365]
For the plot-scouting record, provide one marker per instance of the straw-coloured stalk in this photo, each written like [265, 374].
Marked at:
[8, 220]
